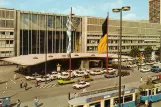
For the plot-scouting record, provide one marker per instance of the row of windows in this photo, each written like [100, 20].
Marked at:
[6, 33]
[7, 43]
[127, 98]
[94, 48]
[136, 30]
[6, 23]
[35, 21]
[97, 21]
[6, 14]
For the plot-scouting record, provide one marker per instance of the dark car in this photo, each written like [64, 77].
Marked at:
[125, 73]
[110, 75]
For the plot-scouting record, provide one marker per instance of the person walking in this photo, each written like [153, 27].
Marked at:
[36, 83]
[141, 80]
[21, 84]
[25, 85]
[36, 102]
[18, 103]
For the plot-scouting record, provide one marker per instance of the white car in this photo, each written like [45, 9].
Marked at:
[132, 65]
[81, 84]
[80, 73]
[109, 70]
[33, 77]
[64, 75]
[54, 74]
[142, 64]
[96, 72]
[145, 70]
[44, 78]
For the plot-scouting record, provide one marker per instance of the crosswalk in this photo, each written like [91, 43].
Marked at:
[46, 86]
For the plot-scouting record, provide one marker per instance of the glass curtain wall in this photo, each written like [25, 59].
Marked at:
[35, 27]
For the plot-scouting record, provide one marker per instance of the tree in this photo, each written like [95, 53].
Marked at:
[158, 52]
[134, 52]
[147, 52]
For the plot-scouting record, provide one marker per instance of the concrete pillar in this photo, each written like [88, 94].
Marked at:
[102, 103]
[28, 70]
[84, 64]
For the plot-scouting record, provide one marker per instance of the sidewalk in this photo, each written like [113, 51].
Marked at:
[59, 101]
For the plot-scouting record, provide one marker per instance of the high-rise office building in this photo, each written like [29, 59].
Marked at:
[154, 11]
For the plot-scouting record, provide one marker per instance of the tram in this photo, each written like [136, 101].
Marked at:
[108, 97]
[151, 91]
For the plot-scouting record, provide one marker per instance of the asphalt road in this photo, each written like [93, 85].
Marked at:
[57, 90]
[64, 90]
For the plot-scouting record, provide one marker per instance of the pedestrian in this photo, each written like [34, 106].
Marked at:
[15, 76]
[18, 103]
[36, 102]
[25, 85]
[36, 83]
[150, 103]
[21, 84]
[141, 80]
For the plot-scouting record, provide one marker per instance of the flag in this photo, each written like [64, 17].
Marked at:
[69, 27]
[102, 44]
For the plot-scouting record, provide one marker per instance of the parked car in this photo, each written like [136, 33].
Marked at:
[109, 70]
[110, 75]
[131, 65]
[65, 81]
[125, 73]
[156, 68]
[64, 75]
[85, 78]
[33, 77]
[145, 70]
[44, 78]
[96, 72]
[142, 64]
[81, 85]
[79, 73]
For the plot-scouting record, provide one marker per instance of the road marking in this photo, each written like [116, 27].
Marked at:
[49, 85]
[13, 81]
[54, 85]
[41, 86]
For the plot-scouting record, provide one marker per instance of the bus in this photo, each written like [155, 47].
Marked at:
[107, 97]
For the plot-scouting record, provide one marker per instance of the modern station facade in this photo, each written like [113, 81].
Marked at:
[24, 32]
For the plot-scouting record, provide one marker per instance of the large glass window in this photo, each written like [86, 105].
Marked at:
[25, 21]
[58, 23]
[98, 104]
[116, 100]
[42, 21]
[80, 106]
[34, 21]
[50, 21]
[64, 22]
[128, 98]
[143, 93]
[158, 90]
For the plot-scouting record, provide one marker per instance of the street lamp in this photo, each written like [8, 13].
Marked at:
[125, 8]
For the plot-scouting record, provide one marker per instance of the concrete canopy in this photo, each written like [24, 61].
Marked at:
[34, 59]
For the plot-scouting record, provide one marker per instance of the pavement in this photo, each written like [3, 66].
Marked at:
[56, 95]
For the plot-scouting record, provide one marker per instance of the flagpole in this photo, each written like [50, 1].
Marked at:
[107, 44]
[70, 59]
